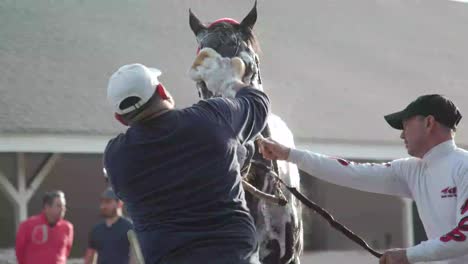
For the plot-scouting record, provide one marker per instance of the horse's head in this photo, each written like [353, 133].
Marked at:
[279, 230]
[230, 39]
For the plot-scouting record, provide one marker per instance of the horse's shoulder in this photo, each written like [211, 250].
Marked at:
[280, 131]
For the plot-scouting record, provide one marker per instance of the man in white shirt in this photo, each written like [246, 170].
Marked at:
[435, 177]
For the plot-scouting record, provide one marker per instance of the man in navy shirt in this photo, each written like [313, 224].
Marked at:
[177, 169]
[108, 241]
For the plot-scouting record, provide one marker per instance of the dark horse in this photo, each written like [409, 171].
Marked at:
[279, 226]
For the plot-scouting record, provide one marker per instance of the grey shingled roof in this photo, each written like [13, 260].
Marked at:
[332, 68]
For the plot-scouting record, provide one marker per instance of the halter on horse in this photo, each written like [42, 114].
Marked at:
[279, 227]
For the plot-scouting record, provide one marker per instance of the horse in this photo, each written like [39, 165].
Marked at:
[279, 224]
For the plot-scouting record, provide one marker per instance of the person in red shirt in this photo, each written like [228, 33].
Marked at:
[45, 238]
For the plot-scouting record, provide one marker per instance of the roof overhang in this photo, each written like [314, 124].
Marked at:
[50, 143]
[53, 143]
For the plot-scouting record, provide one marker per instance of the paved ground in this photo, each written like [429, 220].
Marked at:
[348, 257]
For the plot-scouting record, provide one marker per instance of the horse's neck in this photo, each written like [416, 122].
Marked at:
[277, 128]
[281, 133]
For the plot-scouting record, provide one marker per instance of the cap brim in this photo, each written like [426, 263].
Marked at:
[109, 196]
[155, 71]
[395, 120]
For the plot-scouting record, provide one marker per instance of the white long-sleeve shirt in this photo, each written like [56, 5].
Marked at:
[438, 183]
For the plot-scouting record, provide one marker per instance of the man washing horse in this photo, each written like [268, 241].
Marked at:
[177, 169]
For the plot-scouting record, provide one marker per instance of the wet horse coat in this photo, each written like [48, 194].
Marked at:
[279, 228]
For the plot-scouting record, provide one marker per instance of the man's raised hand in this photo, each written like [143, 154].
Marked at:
[222, 76]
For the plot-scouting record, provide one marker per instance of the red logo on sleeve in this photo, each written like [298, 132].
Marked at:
[448, 192]
[342, 161]
[464, 208]
[457, 233]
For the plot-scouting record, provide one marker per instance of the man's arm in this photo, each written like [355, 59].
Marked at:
[21, 242]
[70, 239]
[91, 252]
[243, 109]
[246, 114]
[454, 243]
[388, 178]
[381, 178]
[90, 256]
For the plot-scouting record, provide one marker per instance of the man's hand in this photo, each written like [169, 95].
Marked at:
[273, 150]
[222, 76]
[394, 256]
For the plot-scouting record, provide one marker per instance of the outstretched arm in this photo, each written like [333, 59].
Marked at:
[378, 178]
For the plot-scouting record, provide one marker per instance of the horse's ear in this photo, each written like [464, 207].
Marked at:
[195, 23]
[251, 18]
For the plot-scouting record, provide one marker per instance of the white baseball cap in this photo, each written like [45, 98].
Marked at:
[134, 82]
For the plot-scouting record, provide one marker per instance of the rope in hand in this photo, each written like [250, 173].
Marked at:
[327, 216]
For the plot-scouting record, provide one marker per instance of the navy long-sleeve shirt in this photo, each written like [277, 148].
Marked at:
[178, 174]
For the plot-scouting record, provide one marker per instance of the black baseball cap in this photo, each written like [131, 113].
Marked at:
[109, 194]
[441, 108]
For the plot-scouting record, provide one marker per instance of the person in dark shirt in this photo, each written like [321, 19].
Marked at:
[108, 242]
[177, 169]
